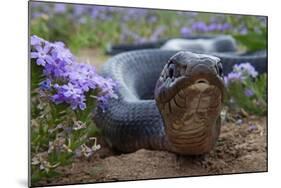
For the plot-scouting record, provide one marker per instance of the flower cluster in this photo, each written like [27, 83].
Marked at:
[143, 25]
[203, 27]
[246, 90]
[68, 81]
[77, 12]
[240, 73]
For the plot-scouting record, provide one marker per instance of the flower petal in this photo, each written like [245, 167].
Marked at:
[33, 55]
[38, 48]
[40, 61]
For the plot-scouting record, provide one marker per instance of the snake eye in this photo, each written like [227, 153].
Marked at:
[219, 68]
[171, 70]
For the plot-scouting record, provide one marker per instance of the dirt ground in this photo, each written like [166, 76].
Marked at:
[242, 147]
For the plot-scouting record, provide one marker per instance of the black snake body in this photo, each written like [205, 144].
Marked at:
[136, 120]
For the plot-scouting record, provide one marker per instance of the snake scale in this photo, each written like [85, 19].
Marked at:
[168, 100]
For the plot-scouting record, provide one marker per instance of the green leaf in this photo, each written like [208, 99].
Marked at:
[252, 41]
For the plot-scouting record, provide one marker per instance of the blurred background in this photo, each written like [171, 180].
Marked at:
[88, 29]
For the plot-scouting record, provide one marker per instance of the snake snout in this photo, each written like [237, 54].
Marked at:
[203, 70]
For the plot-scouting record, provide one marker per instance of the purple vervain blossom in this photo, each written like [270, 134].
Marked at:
[55, 69]
[42, 55]
[240, 72]
[246, 69]
[70, 90]
[60, 8]
[78, 10]
[68, 81]
[34, 41]
[232, 77]
[152, 19]
[46, 84]
[70, 94]
[212, 27]
[185, 31]
[225, 27]
[62, 53]
[200, 26]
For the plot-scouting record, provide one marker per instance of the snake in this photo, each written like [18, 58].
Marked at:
[168, 100]
[205, 43]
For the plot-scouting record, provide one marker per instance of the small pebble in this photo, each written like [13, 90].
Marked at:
[239, 122]
[252, 127]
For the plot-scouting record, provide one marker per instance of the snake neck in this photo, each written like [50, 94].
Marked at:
[192, 121]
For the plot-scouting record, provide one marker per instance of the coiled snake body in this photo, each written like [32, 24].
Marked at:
[167, 100]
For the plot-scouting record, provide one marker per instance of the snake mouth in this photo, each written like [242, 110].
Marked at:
[200, 76]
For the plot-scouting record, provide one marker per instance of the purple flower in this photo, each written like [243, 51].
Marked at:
[70, 94]
[55, 69]
[248, 92]
[83, 75]
[35, 15]
[46, 84]
[79, 102]
[67, 80]
[199, 26]
[212, 27]
[152, 19]
[226, 81]
[225, 27]
[60, 8]
[42, 55]
[218, 27]
[62, 53]
[70, 91]
[78, 10]
[185, 31]
[246, 69]
[234, 76]
[36, 40]
[35, 4]
[241, 72]
[57, 98]
[94, 13]
[134, 14]
[102, 102]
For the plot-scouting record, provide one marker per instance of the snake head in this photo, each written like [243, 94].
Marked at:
[189, 95]
[184, 69]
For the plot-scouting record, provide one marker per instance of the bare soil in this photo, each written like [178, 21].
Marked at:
[242, 147]
[93, 56]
